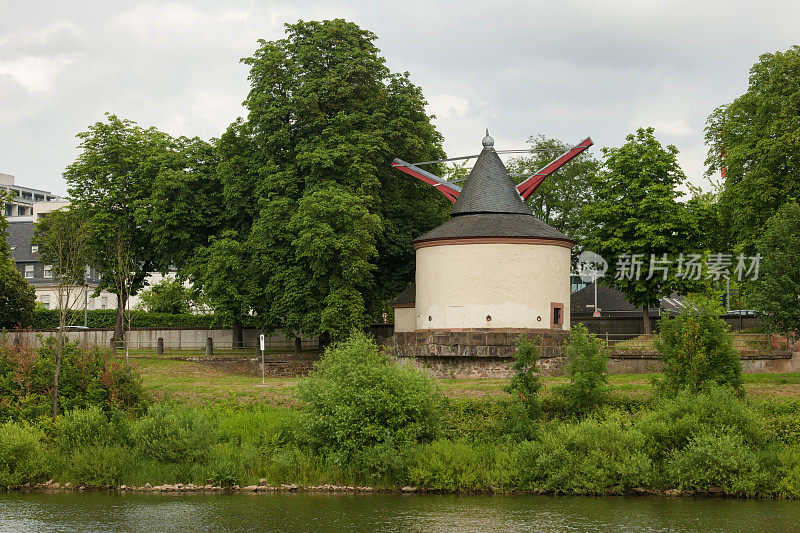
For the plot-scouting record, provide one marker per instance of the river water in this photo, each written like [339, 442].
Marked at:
[385, 512]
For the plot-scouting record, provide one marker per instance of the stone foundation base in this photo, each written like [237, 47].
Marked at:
[485, 353]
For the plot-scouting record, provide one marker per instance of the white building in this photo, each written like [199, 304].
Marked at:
[492, 266]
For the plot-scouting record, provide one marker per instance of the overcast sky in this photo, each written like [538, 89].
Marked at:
[563, 68]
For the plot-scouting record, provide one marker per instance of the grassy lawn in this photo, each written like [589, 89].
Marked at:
[198, 383]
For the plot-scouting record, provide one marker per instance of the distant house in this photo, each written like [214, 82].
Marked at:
[26, 256]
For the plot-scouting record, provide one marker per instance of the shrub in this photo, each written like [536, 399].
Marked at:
[789, 472]
[525, 387]
[697, 348]
[80, 428]
[673, 423]
[88, 378]
[358, 397]
[590, 457]
[100, 465]
[22, 458]
[382, 463]
[452, 465]
[586, 366]
[223, 472]
[172, 434]
[716, 459]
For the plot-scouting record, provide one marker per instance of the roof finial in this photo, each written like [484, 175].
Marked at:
[487, 141]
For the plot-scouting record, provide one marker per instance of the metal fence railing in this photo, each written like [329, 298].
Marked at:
[742, 342]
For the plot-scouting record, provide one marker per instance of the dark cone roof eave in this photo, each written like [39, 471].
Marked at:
[489, 189]
[501, 225]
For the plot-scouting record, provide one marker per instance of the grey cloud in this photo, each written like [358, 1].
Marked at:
[566, 69]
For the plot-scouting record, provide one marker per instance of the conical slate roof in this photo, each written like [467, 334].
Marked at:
[489, 188]
[490, 206]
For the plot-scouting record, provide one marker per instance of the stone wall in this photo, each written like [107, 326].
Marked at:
[485, 353]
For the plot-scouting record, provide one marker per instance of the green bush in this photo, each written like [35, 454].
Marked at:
[80, 428]
[452, 465]
[524, 388]
[589, 457]
[697, 348]
[382, 464]
[673, 423]
[716, 459]
[22, 458]
[359, 397]
[789, 472]
[88, 378]
[586, 367]
[100, 465]
[223, 472]
[172, 434]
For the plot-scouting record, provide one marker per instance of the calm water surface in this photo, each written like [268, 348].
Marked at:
[348, 512]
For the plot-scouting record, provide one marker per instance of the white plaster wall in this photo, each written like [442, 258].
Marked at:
[405, 319]
[458, 285]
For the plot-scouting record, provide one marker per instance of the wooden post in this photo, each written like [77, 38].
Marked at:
[160, 346]
[209, 346]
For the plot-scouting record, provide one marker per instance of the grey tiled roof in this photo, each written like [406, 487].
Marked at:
[408, 296]
[494, 225]
[19, 238]
[489, 189]
[611, 300]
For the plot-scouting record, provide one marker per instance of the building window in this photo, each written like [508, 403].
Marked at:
[556, 315]
[45, 299]
[34, 248]
[103, 303]
[48, 271]
[29, 271]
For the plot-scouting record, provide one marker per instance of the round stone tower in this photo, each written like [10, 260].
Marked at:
[493, 264]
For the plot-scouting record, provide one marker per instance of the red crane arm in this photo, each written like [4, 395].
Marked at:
[529, 185]
[450, 190]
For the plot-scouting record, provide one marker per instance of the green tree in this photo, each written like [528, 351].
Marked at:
[325, 118]
[113, 179]
[697, 348]
[220, 268]
[559, 200]
[587, 362]
[63, 239]
[756, 140]
[525, 386]
[636, 216]
[776, 292]
[17, 297]
[167, 296]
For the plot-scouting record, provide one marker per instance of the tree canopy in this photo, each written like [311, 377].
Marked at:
[636, 217]
[17, 297]
[325, 223]
[559, 200]
[755, 142]
[776, 292]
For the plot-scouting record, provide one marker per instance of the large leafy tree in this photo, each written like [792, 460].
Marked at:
[636, 215]
[755, 142]
[17, 297]
[112, 180]
[776, 292]
[559, 200]
[324, 221]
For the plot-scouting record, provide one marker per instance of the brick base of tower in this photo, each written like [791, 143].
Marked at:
[475, 352]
